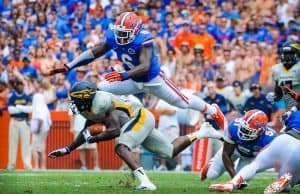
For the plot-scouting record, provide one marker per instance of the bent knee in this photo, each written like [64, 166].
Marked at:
[213, 174]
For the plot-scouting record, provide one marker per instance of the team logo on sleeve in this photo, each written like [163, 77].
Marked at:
[131, 51]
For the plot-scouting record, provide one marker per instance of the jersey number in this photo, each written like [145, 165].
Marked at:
[288, 83]
[127, 60]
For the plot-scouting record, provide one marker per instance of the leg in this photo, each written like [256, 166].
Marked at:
[43, 150]
[133, 133]
[35, 151]
[13, 144]
[25, 141]
[129, 158]
[82, 158]
[263, 161]
[120, 88]
[216, 167]
[165, 89]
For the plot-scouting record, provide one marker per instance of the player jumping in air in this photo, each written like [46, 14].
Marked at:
[134, 47]
[128, 122]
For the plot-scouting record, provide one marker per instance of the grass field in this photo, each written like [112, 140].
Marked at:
[113, 182]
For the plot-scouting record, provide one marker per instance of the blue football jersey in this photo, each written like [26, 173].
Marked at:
[129, 53]
[248, 148]
[293, 122]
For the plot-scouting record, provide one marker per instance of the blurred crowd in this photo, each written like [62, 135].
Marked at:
[222, 50]
[208, 46]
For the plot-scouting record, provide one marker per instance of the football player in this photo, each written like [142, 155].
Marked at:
[283, 151]
[245, 137]
[287, 74]
[134, 47]
[127, 121]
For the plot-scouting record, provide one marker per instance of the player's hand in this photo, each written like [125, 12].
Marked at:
[59, 152]
[291, 92]
[55, 70]
[116, 76]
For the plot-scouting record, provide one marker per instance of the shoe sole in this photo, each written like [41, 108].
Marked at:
[278, 185]
[220, 189]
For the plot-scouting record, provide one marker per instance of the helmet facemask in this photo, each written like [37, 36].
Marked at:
[123, 36]
[247, 133]
[82, 100]
[288, 57]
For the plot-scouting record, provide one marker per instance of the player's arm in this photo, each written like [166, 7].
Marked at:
[83, 59]
[145, 62]
[79, 140]
[228, 150]
[112, 131]
[139, 70]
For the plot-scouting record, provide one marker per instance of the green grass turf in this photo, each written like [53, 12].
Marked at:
[111, 182]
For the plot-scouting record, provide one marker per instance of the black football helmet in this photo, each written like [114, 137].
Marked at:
[289, 54]
[82, 94]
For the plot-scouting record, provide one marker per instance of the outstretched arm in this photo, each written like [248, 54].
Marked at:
[89, 55]
[75, 144]
[83, 59]
[226, 157]
[145, 62]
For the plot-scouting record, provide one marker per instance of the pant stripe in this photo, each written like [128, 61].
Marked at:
[176, 90]
[138, 122]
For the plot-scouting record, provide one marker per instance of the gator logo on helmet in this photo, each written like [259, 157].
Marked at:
[83, 94]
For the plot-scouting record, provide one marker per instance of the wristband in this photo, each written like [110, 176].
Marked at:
[125, 75]
[67, 149]
[67, 67]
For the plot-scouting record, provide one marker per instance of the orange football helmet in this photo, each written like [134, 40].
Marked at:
[126, 27]
[253, 124]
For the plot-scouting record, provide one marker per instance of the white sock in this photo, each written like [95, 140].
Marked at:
[197, 103]
[140, 174]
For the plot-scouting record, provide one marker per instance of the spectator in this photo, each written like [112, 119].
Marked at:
[62, 89]
[49, 93]
[40, 125]
[237, 99]
[28, 70]
[206, 40]
[258, 101]
[18, 126]
[16, 62]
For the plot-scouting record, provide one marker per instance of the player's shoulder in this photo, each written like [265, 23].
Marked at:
[144, 37]
[277, 67]
[101, 102]
[109, 34]
[233, 127]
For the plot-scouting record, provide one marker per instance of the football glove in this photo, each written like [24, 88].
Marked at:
[87, 135]
[56, 70]
[116, 76]
[59, 152]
